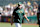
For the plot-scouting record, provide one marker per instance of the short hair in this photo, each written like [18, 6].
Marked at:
[18, 5]
[39, 7]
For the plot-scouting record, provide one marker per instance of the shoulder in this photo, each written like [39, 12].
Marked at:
[16, 9]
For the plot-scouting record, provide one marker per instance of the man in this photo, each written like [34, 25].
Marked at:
[18, 15]
[38, 15]
[1, 10]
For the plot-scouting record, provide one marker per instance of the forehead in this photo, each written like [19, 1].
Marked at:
[20, 5]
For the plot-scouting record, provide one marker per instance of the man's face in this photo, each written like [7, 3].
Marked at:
[20, 6]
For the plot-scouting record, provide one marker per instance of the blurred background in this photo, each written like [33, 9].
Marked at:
[7, 7]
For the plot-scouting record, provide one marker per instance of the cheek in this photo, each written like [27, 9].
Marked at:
[20, 6]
